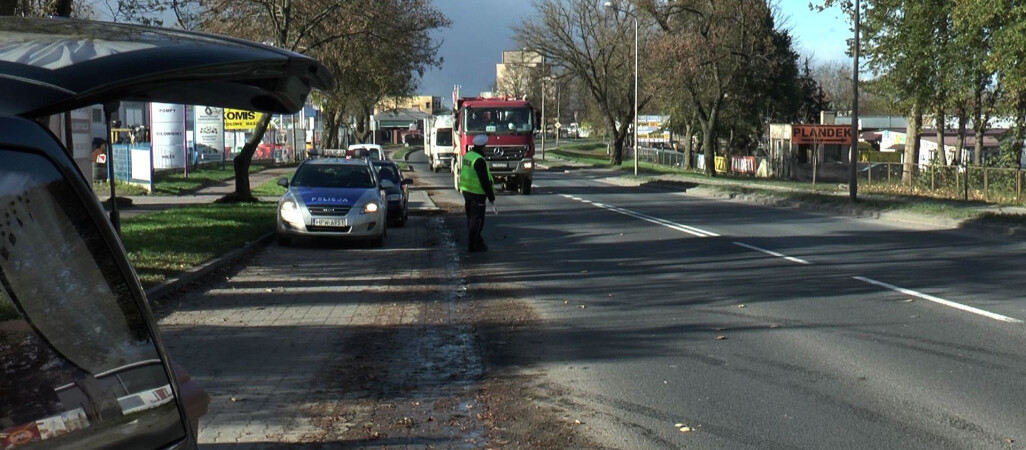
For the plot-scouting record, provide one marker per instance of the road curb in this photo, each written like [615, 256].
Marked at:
[178, 283]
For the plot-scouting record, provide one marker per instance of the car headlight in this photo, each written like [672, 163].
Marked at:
[528, 164]
[393, 197]
[371, 208]
[290, 213]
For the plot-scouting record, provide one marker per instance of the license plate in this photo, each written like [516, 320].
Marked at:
[330, 222]
[500, 165]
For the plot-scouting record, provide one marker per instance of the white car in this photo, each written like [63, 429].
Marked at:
[372, 151]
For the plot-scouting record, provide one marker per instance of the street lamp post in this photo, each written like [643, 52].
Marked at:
[612, 6]
[543, 119]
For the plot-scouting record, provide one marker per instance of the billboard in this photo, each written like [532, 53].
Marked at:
[167, 135]
[821, 134]
[238, 119]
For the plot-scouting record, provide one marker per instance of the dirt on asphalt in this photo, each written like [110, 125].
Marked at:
[452, 372]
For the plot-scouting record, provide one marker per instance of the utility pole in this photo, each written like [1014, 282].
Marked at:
[853, 183]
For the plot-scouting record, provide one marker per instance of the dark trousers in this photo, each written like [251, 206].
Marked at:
[474, 205]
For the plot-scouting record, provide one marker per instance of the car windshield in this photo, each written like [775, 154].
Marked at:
[493, 120]
[388, 173]
[334, 176]
[78, 356]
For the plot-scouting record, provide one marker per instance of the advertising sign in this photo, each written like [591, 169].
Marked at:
[821, 134]
[167, 135]
[237, 119]
[209, 133]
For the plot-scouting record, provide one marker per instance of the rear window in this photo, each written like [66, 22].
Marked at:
[334, 176]
[78, 365]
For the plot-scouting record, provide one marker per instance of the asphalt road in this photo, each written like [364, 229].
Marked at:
[675, 320]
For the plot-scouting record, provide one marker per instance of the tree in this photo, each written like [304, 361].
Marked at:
[714, 49]
[316, 26]
[595, 47]
[382, 49]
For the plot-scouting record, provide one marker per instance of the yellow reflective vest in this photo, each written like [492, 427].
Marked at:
[468, 176]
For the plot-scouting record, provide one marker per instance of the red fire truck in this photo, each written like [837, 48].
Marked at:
[509, 124]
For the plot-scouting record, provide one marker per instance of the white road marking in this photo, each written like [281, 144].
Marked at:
[666, 223]
[703, 233]
[939, 300]
[773, 253]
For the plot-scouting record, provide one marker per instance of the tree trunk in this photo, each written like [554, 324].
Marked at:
[912, 145]
[1020, 127]
[688, 146]
[244, 160]
[963, 119]
[939, 123]
[979, 124]
[708, 148]
[709, 140]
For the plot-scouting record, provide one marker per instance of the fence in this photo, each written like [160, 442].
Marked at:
[989, 184]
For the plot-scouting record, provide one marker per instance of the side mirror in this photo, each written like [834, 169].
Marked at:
[283, 182]
[387, 184]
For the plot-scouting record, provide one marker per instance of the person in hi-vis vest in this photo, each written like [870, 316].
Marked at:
[476, 183]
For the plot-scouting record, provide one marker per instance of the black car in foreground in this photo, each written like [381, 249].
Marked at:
[398, 194]
[82, 364]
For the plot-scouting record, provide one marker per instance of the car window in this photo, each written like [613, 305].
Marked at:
[388, 173]
[334, 176]
[79, 363]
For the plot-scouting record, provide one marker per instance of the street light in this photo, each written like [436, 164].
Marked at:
[613, 7]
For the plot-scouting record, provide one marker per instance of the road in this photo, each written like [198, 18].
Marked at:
[757, 327]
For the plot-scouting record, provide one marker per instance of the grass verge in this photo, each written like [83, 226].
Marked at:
[823, 195]
[164, 244]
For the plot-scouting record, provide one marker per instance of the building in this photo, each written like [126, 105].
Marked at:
[424, 103]
[514, 74]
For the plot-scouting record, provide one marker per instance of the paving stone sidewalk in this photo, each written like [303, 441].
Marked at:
[289, 345]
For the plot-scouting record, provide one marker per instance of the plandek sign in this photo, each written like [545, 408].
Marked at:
[821, 134]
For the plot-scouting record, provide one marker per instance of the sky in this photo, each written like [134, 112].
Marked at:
[482, 29]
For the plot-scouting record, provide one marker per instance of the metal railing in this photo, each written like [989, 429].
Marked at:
[974, 183]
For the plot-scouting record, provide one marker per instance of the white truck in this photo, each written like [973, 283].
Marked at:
[438, 141]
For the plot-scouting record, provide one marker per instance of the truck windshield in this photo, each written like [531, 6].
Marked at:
[444, 137]
[497, 120]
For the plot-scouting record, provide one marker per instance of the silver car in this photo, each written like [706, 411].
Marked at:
[336, 198]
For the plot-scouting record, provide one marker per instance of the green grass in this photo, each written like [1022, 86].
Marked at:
[827, 195]
[171, 183]
[270, 188]
[163, 244]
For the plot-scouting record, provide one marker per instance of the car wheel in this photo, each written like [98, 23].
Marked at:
[525, 186]
[399, 222]
[284, 241]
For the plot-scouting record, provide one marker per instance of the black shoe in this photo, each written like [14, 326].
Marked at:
[479, 248]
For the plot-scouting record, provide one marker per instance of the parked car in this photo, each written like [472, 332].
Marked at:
[82, 363]
[398, 195]
[370, 151]
[336, 198]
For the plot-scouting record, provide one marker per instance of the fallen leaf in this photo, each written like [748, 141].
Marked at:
[678, 425]
[234, 399]
[582, 306]
[685, 429]
[578, 422]
[721, 338]
[741, 306]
